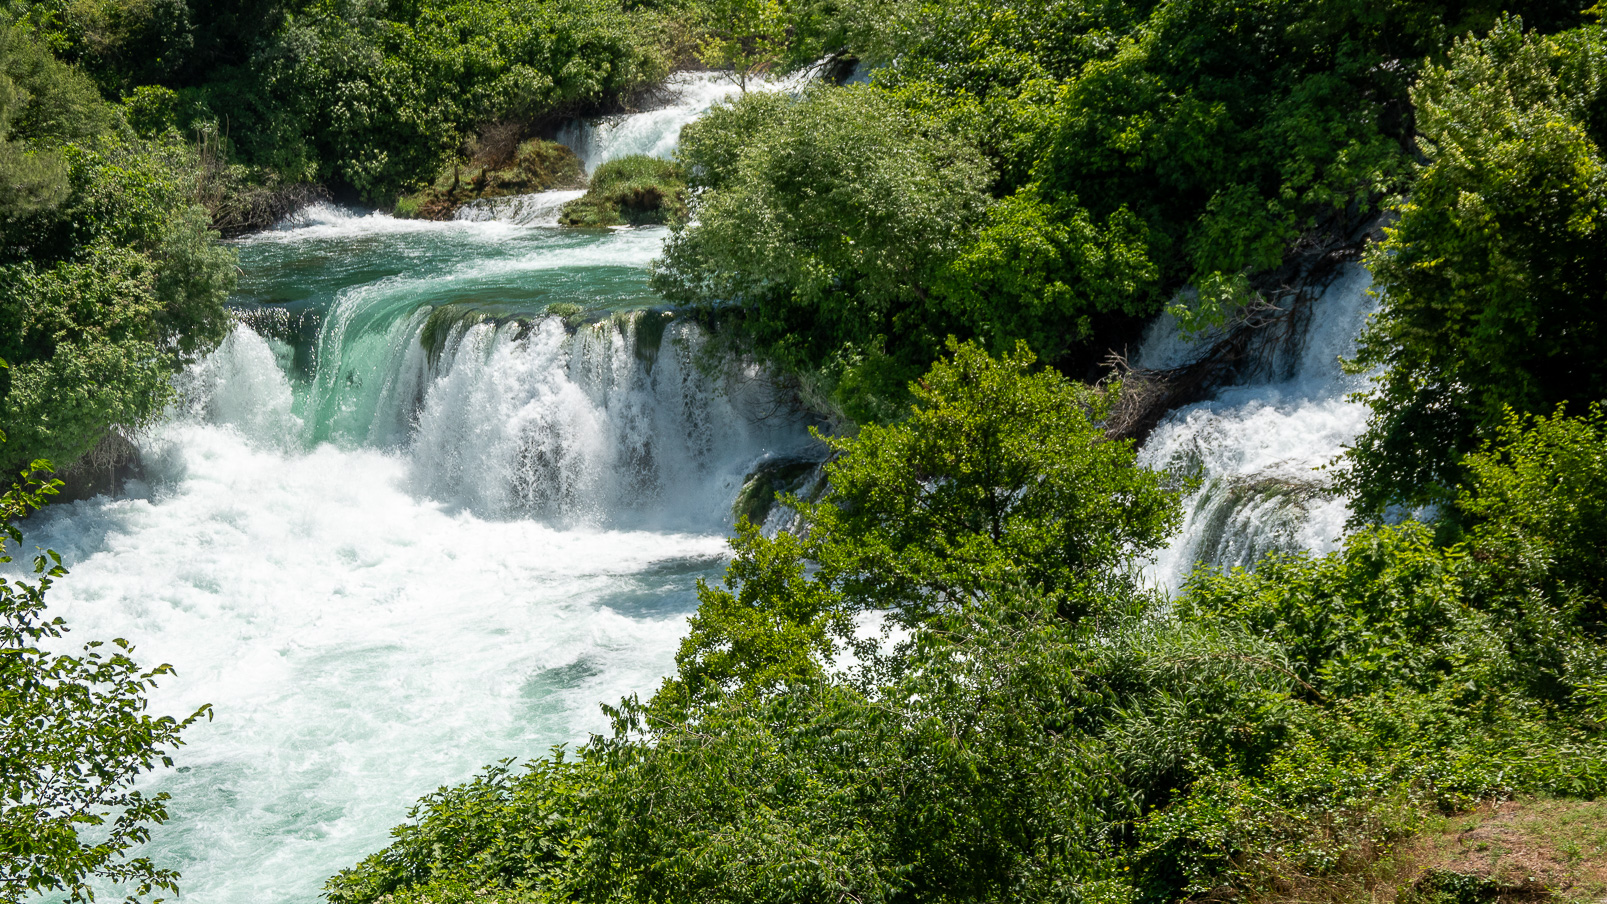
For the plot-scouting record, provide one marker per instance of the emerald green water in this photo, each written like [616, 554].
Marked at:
[348, 293]
[386, 566]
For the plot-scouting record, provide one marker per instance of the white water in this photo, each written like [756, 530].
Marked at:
[390, 565]
[657, 132]
[1258, 448]
[369, 622]
[592, 428]
[361, 644]
[539, 209]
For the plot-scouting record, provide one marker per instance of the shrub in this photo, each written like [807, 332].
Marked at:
[637, 190]
[1487, 278]
[828, 229]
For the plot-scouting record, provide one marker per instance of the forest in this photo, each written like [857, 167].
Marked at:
[947, 682]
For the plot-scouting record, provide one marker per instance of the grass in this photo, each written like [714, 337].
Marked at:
[1534, 850]
[636, 191]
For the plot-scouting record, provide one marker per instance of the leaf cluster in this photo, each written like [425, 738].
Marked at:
[1489, 276]
[74, 738]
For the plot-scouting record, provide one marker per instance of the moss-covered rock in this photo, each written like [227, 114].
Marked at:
[636, 191]
[521, 169]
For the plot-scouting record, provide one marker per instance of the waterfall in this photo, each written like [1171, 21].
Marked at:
[1258, 449]
[538, 209]
[620, 421]
[657, 132]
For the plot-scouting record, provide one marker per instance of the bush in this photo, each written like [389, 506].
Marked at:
[637, 190]
[1487, 278]
[829, 227]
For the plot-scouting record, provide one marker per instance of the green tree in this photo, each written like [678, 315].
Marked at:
[110, 277]
[105, 296]
[747, 37]
[1537, 492]
[828, 231]
[1491, 276]
[998, 478]
[1000, 469]
[74, 737]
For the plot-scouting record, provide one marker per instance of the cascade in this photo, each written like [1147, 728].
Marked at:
[449, 485]
[657, 132]
[538, 209]
[1258, 448]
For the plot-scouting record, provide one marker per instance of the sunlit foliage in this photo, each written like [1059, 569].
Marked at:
[1491, 280]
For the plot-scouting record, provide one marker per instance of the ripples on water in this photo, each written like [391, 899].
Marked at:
[403, 525]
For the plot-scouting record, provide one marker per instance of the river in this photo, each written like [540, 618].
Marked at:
[405, 523]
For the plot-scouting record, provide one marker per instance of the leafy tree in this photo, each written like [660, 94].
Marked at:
[106, 296]
[74, 736]
[43, 104]
[1046, 276]
[1000, 469]
[747, 37]
[110, 277]
[1490, 277]
[830, 229]
[999, 477]
[1537, 492]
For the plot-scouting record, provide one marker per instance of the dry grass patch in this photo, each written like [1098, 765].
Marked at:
[1509, 852]
[1534, 850]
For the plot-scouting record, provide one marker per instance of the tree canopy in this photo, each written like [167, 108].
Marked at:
[1491, 278]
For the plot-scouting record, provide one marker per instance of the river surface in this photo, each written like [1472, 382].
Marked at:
[390, 548]
[451, 485]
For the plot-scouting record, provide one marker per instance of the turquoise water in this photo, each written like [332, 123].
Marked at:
[348, 291]
[386, 565]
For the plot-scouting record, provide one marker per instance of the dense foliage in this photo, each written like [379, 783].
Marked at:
[1122, 152]
[923, 696]
[74, 737]
[825, 218]
[374, 97]
[1493, 275]
[110, 277]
